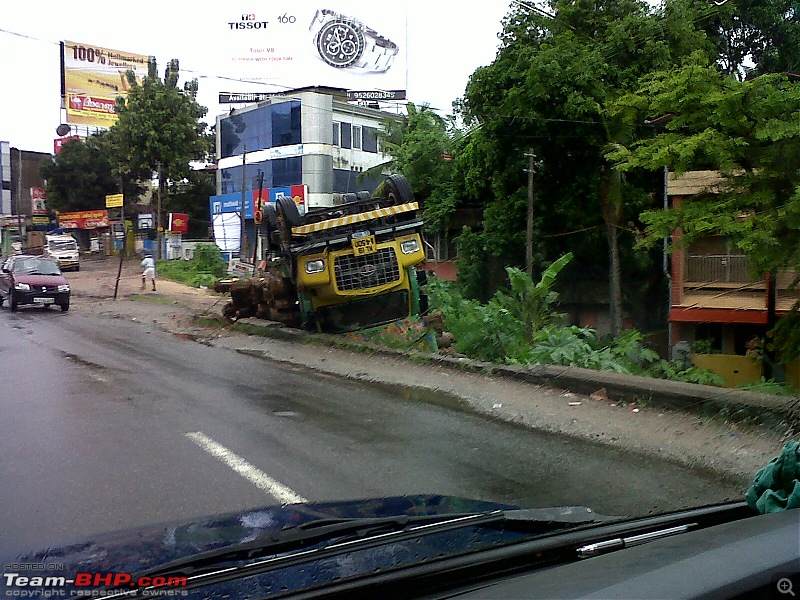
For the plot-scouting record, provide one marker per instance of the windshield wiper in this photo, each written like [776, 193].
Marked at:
[353, 534]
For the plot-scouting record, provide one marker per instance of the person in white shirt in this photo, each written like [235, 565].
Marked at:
[149, 266]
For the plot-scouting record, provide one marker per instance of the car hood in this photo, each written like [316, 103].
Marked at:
[40, 279]
[135, 550]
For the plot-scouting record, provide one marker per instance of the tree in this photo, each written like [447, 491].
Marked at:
[748, 130]
[159, 128]
[80, 176]
[421, 148]
[549, 88]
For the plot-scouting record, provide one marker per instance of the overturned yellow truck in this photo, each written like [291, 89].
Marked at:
[347, 268]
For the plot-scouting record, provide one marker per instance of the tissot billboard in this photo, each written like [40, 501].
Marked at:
[91, 79]
[351, 44]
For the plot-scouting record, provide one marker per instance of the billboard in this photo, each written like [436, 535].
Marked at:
[349, 44]
[38, 201]
[83, 219]
[91, 79]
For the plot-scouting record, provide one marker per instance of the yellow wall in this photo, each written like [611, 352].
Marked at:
[734, 368]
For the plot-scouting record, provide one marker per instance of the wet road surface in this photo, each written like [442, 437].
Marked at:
[108, 424]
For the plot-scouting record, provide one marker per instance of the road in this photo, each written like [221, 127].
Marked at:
[109, 423]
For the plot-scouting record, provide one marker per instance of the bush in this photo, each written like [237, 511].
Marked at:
[203, 270]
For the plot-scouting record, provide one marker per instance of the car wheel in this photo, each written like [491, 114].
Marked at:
[65, 307]
[12, 301]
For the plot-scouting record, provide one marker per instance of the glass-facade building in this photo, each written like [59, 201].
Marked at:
[306, 138]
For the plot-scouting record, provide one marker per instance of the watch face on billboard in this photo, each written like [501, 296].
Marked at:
[340, 43]
[348, 44]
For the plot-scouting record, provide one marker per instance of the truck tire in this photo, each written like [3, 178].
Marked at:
[398, 190]
[288, 210]
[288, 217]
[271, 217]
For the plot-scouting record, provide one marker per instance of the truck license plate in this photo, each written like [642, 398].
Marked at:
[43, 300]
[364, 245]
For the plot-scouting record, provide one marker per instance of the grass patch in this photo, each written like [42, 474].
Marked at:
[202, 271]
[153, 299]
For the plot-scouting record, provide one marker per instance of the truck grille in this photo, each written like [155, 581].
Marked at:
[368, 271]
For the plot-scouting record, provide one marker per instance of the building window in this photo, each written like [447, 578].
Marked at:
[337, 133]
[346, 136]
[370, 139]
[357, 137]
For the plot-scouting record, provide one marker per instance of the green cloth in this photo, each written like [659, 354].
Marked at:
[776, 486]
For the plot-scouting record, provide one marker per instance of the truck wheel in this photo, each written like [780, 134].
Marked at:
[12, 302]
[287, 217]
[271, 216]
[288, 209]
[398, 190]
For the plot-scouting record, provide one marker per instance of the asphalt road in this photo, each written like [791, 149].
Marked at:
[109, 424]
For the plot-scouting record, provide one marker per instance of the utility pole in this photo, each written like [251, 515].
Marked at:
[529, 231]
[159, 227]
[242, 249]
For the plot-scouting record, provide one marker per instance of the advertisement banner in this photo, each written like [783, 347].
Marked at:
[146, 221]
[179, 222]
[83, 219]
[227, 231]
[92, 78]
[350, 44]
[297, 193]
[38, 201]
[114, 200]
[230, 203]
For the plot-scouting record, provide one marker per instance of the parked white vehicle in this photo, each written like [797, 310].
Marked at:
[64, 249]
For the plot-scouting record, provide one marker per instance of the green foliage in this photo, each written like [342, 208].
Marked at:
[421, 148]
[80, 176]
[496, 332]
[768, 386]
[158, 124]
[787, 335]
[203, 270]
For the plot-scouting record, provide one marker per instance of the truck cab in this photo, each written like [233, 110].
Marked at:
[64, 249]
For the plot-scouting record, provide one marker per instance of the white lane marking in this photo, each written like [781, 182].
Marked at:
[261, 480]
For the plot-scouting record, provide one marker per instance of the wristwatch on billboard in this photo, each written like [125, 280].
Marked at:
[346, 43]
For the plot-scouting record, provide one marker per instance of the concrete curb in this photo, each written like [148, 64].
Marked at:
[736, 405]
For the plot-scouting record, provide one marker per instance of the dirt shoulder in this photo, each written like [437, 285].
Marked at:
[733, 450]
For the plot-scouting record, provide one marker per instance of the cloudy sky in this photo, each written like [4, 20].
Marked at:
[445, 40]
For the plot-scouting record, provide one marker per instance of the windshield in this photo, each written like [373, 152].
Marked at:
[36, 266]
[406, 260]
[62, 245]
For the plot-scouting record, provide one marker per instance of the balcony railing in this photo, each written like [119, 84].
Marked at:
[719, 268]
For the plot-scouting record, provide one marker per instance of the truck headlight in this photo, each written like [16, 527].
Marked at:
[63, 287]
[315, 266]
[409, 246]
[23, 287]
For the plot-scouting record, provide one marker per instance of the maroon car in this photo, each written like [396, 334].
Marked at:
[33, 280]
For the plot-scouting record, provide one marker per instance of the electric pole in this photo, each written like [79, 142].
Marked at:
[529, 231]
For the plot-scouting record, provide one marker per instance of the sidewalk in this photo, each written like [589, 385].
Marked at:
[594, 414]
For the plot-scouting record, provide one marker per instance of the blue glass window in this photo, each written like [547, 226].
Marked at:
[264, 127]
